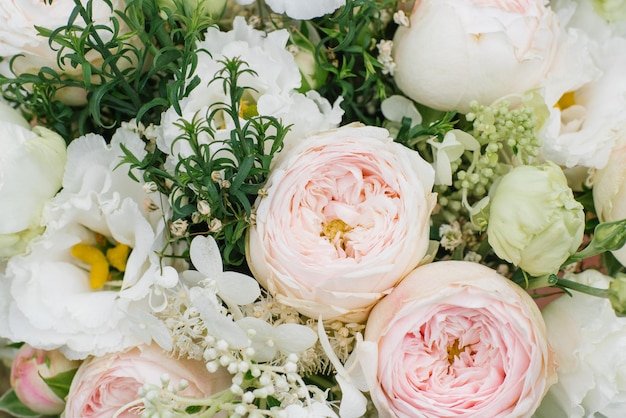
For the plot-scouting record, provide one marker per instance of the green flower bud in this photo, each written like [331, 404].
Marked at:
[209, 8]
[534, 221]
[617, 295]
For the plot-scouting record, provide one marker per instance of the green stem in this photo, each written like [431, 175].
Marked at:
[583, 288]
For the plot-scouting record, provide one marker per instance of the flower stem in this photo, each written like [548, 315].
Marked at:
[583, 288]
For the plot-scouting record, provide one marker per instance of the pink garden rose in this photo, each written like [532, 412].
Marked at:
[345, 217]
[456, 51]
[456, 339]
[105, 385]
[29, 369]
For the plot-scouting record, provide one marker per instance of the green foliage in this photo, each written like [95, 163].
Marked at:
[226, 169]
[135, 67]
[347, 51]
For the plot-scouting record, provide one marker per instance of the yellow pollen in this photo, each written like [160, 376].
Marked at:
[334, 227]
[118, 256]
[247, 111]
[567, 100]
[89, 254]
[454, 351]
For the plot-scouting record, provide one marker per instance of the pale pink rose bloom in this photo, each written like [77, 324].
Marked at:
[105, 385]
[29, 369]
[456, 51]
[346, 216]
[456, 339]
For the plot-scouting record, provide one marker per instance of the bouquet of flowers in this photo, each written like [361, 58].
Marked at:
[320, 208]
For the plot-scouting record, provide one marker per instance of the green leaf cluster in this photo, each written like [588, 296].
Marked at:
[134, 67]
[227, 171]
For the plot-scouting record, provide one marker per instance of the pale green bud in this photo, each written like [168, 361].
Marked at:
[610, 10]
[209, 8]
[617, 295]
[534, 220]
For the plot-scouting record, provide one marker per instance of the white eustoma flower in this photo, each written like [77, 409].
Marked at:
[588, 340]
[68, 291]
[271, 90]
[31, 169]
[301, 9]
[587, 106]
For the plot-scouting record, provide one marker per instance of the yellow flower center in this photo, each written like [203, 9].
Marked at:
[247, 110]
[334, 227]
[567, 100]
[99, 263]
[454, 351]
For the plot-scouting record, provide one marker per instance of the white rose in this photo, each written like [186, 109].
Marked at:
[609, 191]
[346, 216]
[31, 170]
[18, 35]
[456, 51]
[588, 342]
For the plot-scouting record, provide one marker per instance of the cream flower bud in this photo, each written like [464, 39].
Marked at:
[500, 47]
[534, 221]
[31, 169]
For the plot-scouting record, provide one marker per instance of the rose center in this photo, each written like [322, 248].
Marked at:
[454, 351]
[335, 231]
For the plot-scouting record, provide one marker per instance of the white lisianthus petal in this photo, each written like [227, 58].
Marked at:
[305, 9]
[588, 340]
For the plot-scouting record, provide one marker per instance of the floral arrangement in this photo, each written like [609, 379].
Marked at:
[321, 208]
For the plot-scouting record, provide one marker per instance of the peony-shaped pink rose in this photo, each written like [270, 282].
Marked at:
[456, 339]
[346, 216]
[103, 386]
[456, 51]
